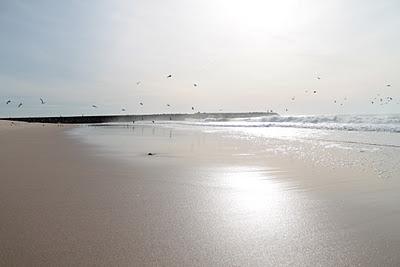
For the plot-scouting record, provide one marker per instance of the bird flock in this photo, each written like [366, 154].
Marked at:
[20, 104]
[95, 106]
[378, 99]
[141, 104]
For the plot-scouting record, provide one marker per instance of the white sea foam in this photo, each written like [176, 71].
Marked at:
[377, 123]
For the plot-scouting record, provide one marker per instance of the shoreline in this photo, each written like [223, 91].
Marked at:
[65, 202]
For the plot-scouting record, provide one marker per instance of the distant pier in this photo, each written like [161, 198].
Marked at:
[136, 117]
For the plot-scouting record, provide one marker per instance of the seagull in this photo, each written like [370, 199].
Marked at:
[169, 76]
[8, 102]
[318, 78]
[195, 84]
[388, 85]
[41, 100]
[94, 106]
[192, 108]
[168, 105]
[141, 103]
[123, 109]
[20, 105]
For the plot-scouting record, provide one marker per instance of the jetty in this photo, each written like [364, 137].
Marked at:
[137, 117]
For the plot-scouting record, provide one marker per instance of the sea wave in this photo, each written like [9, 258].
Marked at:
[378, 123]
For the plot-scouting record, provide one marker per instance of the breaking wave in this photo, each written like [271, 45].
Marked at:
[378, 123]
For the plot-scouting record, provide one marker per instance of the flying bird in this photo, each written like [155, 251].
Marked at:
[169, 76]
[42, 101]
[141, 103]
[20, 105]
[168, 105]
[388, 85]
[94, 106]
[315, 91]
[123, 109]
[192, 108]
[195, 84]
[318, 78]
[293, 98]
[138, 82]
[8, 102]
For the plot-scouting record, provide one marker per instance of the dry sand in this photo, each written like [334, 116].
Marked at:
[58, 205]
[63, 204]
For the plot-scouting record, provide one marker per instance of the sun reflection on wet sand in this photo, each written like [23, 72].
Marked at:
[220, 197]
[255, 189]
[262, 200]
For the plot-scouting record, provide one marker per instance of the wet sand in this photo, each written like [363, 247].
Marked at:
[63, 202]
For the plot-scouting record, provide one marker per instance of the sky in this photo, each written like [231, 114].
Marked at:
[252, 55]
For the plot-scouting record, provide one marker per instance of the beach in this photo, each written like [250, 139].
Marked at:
[81, 195]
[199, 133]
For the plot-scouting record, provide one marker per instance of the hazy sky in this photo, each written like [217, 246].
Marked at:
[244, 55]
